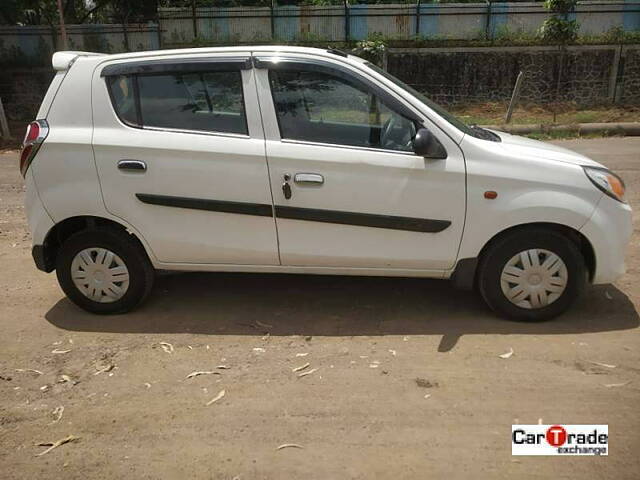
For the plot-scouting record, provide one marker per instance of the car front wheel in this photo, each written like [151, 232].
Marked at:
[532, 274]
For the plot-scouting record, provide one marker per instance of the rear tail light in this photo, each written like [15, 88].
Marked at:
[36, 133]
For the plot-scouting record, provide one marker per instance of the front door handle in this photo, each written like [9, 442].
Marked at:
[132, 165]
[314, 178]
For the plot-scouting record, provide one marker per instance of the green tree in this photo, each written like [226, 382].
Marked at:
[559, 28]
[45, 12]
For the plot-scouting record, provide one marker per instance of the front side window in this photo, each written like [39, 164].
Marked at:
[325, 108]
[200, 101]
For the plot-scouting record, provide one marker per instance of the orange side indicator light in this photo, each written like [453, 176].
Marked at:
[490, 194]
[617, 186]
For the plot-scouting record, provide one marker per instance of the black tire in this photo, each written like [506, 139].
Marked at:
[504, 248]
[125, 246]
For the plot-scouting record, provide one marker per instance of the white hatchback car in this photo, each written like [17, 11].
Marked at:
[299, 160]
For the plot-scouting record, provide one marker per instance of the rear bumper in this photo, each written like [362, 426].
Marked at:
[609, 230]
[40, 223]
[37, 217]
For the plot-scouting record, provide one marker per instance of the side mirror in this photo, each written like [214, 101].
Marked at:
[427, 145]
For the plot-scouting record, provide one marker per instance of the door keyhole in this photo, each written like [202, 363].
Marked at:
[286, 188]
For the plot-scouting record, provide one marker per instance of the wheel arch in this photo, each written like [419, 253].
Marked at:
[465, 273]
[61, 231]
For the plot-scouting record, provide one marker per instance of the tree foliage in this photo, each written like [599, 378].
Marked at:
[45, 12]
[559, 28]
[560, 6]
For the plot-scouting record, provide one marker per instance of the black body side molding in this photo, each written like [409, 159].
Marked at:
[258, 209]
[410, 224]
[362, 219]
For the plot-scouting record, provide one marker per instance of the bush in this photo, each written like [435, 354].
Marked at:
[556, 29]
[371, 49]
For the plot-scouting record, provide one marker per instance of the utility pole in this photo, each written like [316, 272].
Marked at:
[63, 30]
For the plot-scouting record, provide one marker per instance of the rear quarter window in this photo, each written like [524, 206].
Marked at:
[123, 99]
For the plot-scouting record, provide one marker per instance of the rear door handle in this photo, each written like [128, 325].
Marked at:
[132, 165]
[314, 178]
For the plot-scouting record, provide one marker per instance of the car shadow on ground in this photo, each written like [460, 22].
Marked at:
[237, 304]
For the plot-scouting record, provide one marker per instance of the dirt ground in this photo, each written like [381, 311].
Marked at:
[409, 383]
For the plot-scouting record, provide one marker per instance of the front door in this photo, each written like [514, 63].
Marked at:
[348, 189]
[180, 154]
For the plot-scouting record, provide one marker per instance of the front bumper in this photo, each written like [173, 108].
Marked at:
[609, 230]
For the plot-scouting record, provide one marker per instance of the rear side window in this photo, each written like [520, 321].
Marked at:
[198, 101]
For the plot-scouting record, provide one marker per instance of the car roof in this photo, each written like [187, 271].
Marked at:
[62, 60]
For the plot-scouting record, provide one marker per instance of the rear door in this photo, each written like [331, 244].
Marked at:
[348, 189]
[180, 154]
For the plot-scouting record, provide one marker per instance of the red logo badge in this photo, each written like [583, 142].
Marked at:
[556, 436]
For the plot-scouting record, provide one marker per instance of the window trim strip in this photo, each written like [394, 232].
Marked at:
[349, 147]
[187, 65]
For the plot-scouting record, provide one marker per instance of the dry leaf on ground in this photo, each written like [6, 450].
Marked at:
[217, 397]
[55, 444]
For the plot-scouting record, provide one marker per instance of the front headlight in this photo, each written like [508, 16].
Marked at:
[607, 181]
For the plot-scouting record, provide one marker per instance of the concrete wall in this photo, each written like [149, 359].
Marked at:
[585, 75]
[399, 21]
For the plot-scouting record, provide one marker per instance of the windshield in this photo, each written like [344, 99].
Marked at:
[452, 119]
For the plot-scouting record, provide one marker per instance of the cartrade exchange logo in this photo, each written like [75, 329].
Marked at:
[559, 440]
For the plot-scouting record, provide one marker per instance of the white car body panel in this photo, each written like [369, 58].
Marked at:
[39, 220]
[609, 230]
[374, 182]
[536, 183]
[63, 169]
[530, 188]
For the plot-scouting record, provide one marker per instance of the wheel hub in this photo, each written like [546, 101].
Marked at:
[100, 275]
[534, 278]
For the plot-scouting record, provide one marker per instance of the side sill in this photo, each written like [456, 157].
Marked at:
[311, 270]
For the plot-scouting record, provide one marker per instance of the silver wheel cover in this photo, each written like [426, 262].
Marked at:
[100, 275]
[534, 278]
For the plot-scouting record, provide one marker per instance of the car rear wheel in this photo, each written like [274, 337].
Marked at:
[104, 271]
[532, 274]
